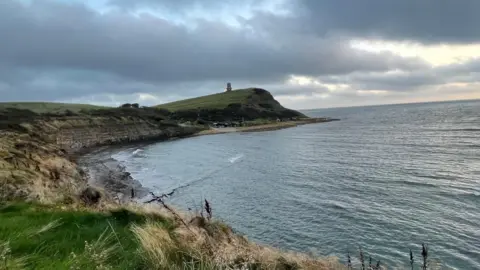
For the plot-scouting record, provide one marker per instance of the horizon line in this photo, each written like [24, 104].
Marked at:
[319, 108]
[390, 104]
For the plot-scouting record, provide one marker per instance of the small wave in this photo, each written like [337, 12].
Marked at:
[456, 129]
[461, 195]
[126, 155]
[418, 184]
[119, 157]
[474, 195]
[235, 158]
[439, 177]
[137, 151]
[467, 129]
[444, 175]
[336, 205]
[107, 159]
[472, 146]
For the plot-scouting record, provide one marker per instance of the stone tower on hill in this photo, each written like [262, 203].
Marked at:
[229, 87]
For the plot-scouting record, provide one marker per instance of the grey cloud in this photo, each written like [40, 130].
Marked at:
[467, 72]
[404, 81]
[428, 21]
[175, 5]
[59, 84]
[71, 50]
[289, 90]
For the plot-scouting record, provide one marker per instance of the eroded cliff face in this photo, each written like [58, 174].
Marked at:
[33, 169]
[36, 160]
[78, 134]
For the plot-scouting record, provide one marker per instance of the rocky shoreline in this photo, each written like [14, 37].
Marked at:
[109, 175]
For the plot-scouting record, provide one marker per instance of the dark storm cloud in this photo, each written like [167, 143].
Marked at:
[80, 51]
[441, 21]
[438, 21]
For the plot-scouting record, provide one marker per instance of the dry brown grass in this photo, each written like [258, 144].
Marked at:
[204, 244]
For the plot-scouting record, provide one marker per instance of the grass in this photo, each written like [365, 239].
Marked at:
[215, 101]
[43, 237]
[48, 107]
[371, 264]
[34, 236]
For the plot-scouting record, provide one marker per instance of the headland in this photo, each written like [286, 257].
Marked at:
[44, 184]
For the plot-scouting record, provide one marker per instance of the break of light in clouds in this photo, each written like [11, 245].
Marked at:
[308, 53]
[436, 54]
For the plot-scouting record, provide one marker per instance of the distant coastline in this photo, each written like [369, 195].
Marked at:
[265, 127]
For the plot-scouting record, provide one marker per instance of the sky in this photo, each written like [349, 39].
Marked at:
[307, 53]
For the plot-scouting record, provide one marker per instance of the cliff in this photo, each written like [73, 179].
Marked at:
[37, 150]
[242, 104]
[76, 134]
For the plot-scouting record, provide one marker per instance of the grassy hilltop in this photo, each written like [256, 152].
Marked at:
[248, 104]
[218, 100]
[214, 101]
[48, 107]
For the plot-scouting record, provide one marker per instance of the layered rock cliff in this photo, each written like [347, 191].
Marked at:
[74, 135]
[37, 151]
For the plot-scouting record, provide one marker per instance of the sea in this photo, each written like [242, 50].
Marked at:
[384, 179]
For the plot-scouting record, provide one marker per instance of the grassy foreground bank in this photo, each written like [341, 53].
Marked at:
[35, 236]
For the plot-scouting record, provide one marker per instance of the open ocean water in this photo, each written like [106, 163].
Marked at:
[386, 178]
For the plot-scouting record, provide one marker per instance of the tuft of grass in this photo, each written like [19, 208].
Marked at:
[7, 261]
[425, 256]
[159, 248]
[425, 264]
[97, 254]
[49, 226]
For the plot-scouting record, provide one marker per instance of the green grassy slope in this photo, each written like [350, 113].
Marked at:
[48, 107]
[215, 101]
[42, 237]
[237, 105]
